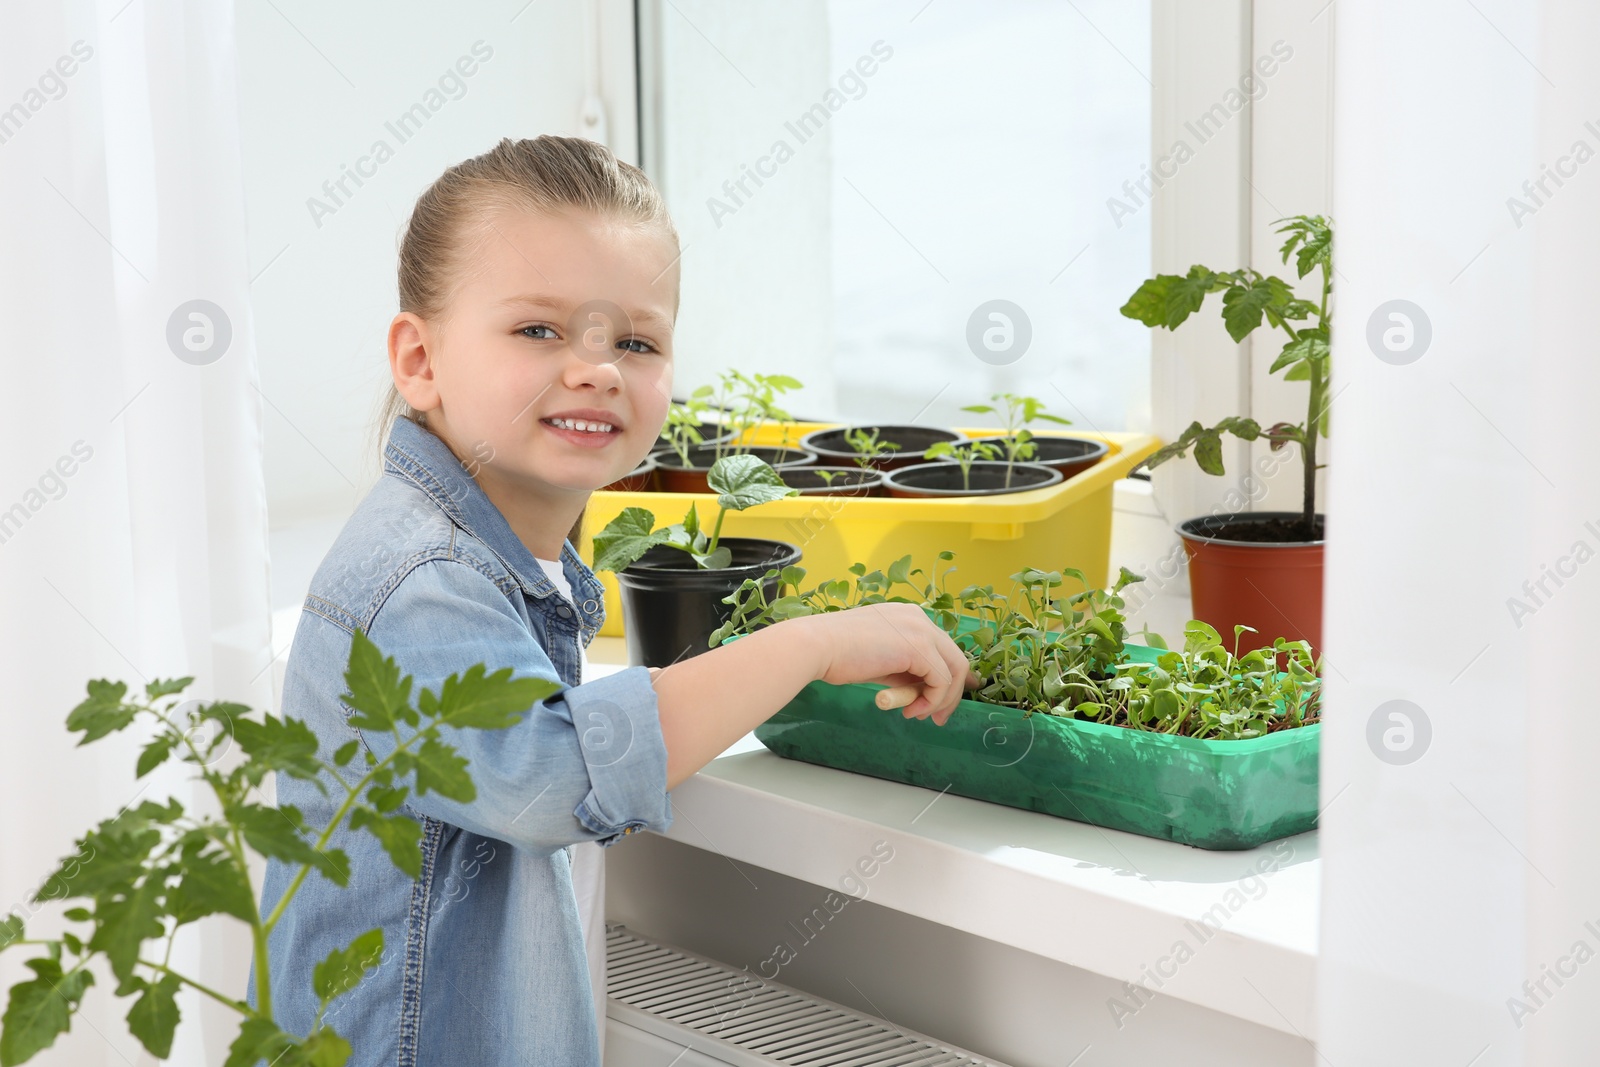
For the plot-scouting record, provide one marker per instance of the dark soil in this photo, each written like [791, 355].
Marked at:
[1264, 531]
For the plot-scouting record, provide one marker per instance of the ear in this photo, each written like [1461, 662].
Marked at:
[411, 342]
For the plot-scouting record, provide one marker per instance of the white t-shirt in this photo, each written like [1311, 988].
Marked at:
[588, 858]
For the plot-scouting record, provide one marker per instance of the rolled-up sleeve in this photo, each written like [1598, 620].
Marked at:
[587, 764]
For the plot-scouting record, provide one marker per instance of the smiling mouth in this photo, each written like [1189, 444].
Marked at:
[580, 425]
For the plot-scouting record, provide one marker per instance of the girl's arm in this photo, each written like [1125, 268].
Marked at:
[710, 701]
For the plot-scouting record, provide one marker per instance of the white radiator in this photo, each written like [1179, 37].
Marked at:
[667, 1006]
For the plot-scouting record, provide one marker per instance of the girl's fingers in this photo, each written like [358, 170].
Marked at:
[945, 679]
[896, 696]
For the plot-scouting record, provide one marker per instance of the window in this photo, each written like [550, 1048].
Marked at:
[978, 166]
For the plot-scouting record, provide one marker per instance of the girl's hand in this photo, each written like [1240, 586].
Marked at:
[894, 645]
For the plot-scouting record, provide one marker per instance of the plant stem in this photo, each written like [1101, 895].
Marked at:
[1308, 453]
[1314, 414]
[238, 1005]
[327, 834]
[235, 847]
[716, 531]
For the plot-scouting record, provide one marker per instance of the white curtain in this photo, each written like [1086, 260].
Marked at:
[1461, 906]
[132, 509]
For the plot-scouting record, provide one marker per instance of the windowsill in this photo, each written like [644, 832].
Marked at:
[1109, 902]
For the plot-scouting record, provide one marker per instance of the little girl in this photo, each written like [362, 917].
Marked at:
[532, 364]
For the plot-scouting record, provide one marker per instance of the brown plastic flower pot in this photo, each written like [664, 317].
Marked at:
[1069, 455]
[639, 480]
[1243, 569]
[673, 477]
[988, 478]
[844, 481]
[831, 447]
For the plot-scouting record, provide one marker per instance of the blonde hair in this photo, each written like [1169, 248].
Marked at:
[545, 173]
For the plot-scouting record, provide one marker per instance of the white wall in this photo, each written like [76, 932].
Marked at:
[318, 84]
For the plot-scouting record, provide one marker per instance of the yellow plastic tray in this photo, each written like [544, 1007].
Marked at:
[1065, 525]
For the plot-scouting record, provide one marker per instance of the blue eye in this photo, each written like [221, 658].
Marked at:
[550, 332]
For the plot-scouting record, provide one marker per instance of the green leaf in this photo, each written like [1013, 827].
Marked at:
[625, 538]
[325, 1049]
[400, 836]
[278, 832]
[224, 713]
[38, 1011]
[344, 967]
[1315, 238]
[743, 481]
[1208, 452]
[714, 560]
[154, 755]
[376, 693]
[211, 883]
[286, 745]
[102, 712]
[387, 799]
[103, 862]
[1199, 637]
[480, 701]
[158, 688]
[11, 929]
[127, 923]
[347, 752]
[1186, 294]
[1242, 307]
[1148, 304]
[440, 769]
[1310, 345]
[154, 1016]
[259, 1039]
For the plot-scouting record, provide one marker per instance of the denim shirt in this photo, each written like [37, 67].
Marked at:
[483, 962]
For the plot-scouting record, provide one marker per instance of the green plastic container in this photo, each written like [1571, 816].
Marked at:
[1210, 794]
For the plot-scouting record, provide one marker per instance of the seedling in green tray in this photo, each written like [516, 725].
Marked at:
[1039, 651]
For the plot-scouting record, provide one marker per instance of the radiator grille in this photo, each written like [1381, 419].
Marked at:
[737, 1019]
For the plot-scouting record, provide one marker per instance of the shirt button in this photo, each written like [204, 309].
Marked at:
[591, 606]
[564, 611]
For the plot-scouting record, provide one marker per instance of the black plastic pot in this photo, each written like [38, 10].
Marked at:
[1069, 455]
[671, 607]
[673, 477]
[832, 448]
[846, 481]
[988, 478]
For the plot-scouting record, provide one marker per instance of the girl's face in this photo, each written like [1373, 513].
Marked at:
[552, 369]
